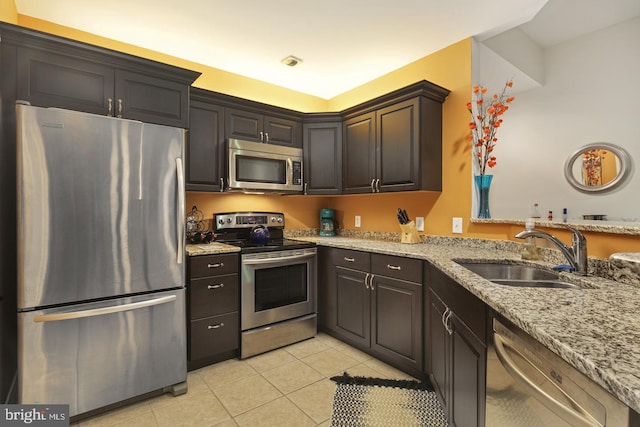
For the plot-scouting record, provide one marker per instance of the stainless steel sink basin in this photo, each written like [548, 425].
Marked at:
[491, 270]
[517, 275]
[536, 283]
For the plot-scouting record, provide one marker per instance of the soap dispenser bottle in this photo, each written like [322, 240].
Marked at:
[530, 250]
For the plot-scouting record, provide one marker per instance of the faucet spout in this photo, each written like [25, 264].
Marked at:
[576, 254]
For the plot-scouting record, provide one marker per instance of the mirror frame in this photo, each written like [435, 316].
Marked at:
[625, 167]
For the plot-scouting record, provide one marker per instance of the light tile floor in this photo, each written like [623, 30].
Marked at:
[284, 387]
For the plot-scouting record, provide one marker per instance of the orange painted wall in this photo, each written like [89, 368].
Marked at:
[8, 12]
[449, 67]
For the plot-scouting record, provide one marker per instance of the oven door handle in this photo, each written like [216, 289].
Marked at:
[279, 259]
[576, 416]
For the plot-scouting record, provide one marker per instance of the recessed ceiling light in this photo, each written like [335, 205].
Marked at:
[291, 61]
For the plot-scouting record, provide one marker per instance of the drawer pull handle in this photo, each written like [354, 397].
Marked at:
[349, 259]
[220, 264]
[394, 267]
[216, 286]
[219, 325]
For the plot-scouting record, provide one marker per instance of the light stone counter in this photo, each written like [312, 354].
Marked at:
[596, 329]
[212, 248]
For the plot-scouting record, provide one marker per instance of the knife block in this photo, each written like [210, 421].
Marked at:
[409, 233]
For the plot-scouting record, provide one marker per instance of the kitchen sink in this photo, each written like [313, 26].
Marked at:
[536, 283]
[517, 275]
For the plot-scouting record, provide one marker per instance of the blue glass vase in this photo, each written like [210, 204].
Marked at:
[483, 185]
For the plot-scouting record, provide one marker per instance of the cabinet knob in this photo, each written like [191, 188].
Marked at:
[378, 185]
[110, 107]
[366, 281]
[217, 265]
[119, 108]
[261, 136]
[219, 325]
[216, 286]
[373, 188]
[394, 267]
[349, 259]
[266, 137]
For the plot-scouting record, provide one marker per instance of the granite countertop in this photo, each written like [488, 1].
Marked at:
[212, 248]
[596, 329]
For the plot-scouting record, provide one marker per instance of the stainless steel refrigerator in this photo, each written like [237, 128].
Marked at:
[101, 306]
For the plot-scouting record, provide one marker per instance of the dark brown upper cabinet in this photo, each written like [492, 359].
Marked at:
[205, 152]
[56, 72]
[257, 127]
[322, 146]
[394, 142]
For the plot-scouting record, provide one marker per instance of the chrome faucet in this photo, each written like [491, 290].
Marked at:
[576, 254]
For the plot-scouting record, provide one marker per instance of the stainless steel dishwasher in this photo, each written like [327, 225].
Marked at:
[528, 385]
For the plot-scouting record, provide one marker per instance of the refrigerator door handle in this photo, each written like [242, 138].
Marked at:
[180, 217]
[104, 310]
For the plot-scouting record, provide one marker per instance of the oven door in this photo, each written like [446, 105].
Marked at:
[277, 286]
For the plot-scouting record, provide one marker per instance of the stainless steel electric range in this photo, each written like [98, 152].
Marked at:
[278, 284]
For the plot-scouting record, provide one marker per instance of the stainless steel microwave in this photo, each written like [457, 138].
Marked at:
[253, 166]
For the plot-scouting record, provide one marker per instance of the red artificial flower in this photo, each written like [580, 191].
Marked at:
[485, 122]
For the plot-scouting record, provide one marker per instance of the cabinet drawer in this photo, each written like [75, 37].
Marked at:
[355, 260]
[212, 265]
[214, 335]
[397, 267]
[210, 296]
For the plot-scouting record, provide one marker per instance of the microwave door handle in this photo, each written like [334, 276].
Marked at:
[289, 172]
[576, 415]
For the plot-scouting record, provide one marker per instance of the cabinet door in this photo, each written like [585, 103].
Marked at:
[468, 367]
[397, 321]
[438, 349]
[326, 290]
[205, 147]
[322, 144]
[398, 142]
[150, 99]
[54, 80]
[359, 154]
[244, 125]
[281, 131]
[353, 307]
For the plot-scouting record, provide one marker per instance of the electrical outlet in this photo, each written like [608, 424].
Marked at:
[420, 223]
[357, 220]
[457, 226]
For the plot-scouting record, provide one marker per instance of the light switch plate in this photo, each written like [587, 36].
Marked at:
[357, 220]
[420, 223]
[457, 226]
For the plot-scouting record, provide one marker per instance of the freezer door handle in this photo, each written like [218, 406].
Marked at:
[180, 217]
[105, 310]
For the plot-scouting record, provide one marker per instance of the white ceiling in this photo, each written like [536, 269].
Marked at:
[343, 43]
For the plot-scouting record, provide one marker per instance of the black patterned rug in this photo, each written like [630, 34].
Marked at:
[373, 402]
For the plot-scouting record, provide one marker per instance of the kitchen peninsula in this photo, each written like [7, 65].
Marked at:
[594, 328]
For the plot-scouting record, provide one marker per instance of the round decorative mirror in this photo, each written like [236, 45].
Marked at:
[597, 167]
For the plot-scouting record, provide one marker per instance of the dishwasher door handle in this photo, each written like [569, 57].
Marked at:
[578, 417]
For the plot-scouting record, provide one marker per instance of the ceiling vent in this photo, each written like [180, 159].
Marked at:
[291, 61]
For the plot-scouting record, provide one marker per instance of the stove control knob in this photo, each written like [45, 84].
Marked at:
[221, 221]
[279, 219]
[228, 220]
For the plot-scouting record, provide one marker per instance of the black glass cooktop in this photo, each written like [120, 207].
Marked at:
[247, 246]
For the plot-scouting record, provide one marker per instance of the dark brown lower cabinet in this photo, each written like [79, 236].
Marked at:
[456, 350]
[213, 304]
[379, 314]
